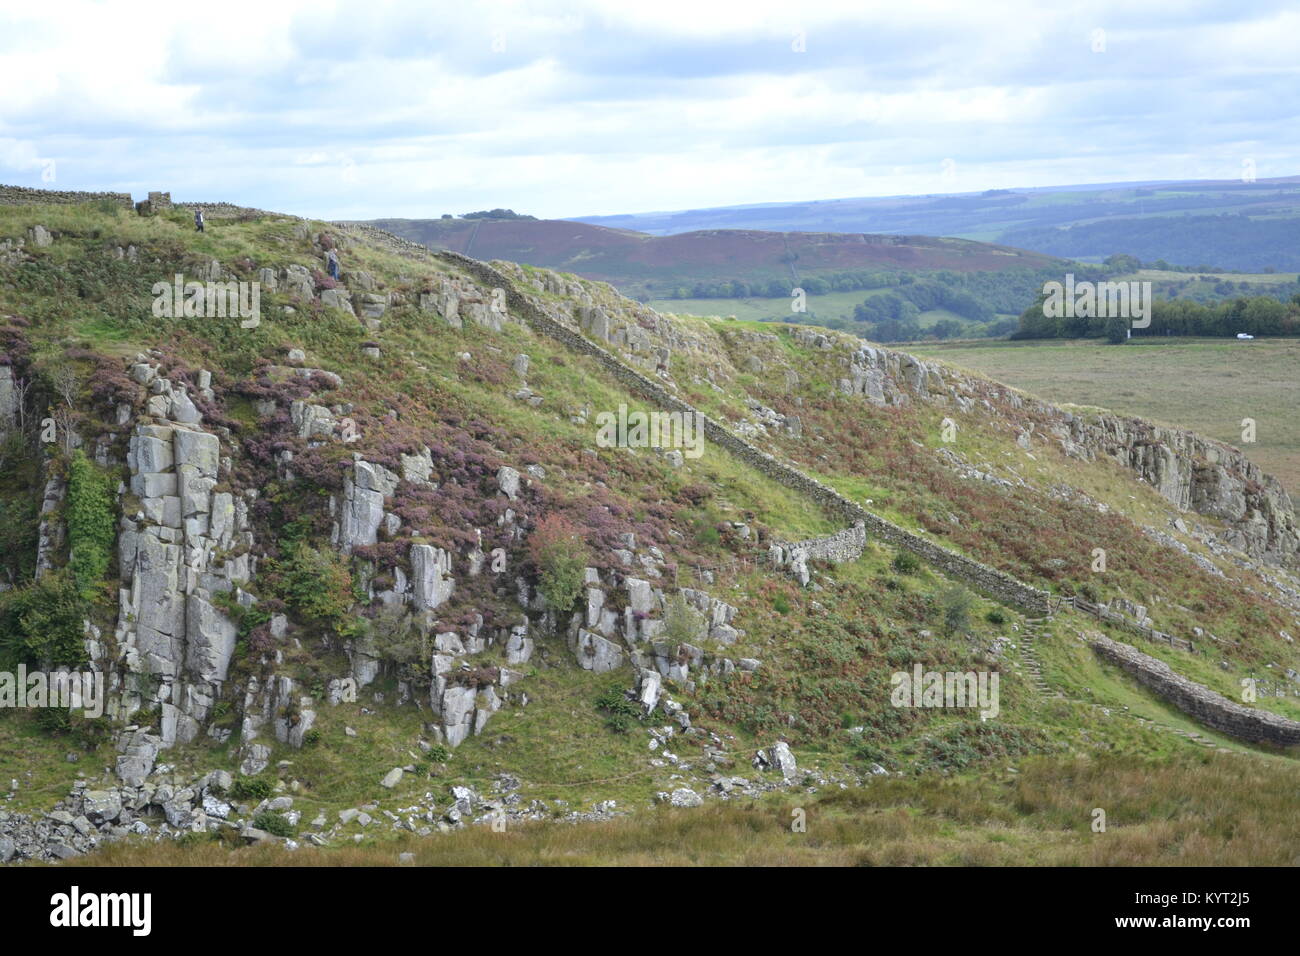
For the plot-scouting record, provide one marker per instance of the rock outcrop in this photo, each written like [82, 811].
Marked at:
[184, 544]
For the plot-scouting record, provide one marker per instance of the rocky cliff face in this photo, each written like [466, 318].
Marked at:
[1192, 472]
[180, 545]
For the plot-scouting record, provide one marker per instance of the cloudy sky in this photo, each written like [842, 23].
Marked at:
[395, 108]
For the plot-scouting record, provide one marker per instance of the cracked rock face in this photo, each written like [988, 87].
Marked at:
[174, 555]
[361, 511]
[1190, 471]
[430, 576]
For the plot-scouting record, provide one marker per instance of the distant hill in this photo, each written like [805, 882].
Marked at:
[649, 266]
[1229, 224]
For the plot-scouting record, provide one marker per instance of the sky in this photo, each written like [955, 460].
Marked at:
[414, 109]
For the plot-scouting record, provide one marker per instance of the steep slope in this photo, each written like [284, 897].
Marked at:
[361, 563]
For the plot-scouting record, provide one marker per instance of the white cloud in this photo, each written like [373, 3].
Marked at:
[399, 108]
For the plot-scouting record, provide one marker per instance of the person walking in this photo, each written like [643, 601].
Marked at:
[332, 259]
[198, 220]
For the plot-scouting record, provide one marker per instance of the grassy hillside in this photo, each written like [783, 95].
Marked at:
[76, 313]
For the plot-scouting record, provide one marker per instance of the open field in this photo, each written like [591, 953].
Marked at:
[1208, 385]
[1255, 278]
[821, 308]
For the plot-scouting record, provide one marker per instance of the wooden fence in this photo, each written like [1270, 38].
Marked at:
[1103, 613]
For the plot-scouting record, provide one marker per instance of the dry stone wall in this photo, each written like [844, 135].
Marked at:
[1199, 702]
[23, 196]
[997, 584]
[225, 210]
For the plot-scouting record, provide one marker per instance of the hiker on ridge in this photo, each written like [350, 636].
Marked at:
[198, 220]
[332, 259]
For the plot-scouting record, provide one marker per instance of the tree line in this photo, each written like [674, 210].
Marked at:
[1260, 315]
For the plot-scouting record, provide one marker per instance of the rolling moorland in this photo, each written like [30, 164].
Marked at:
[767, 263]
[1232, 224]
[885, 288]
[365, 583]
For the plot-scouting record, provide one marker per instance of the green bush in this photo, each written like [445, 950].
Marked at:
[614, 701]
[868, 752]
[439, 754]
[905, 562]
[560, 557]
[996, 616]
[780, 604]
[620, 723]
[621, 714]
[274, 824]
[955, 602]
[91, 520]
[316, 584]
[41, 623]
[392, 637]
[252, 788]
[683, 624]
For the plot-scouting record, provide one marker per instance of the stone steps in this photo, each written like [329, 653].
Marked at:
[1029, 655]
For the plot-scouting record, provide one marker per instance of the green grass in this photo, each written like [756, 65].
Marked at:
[39, 760]
[1192, 810]
[820, 309]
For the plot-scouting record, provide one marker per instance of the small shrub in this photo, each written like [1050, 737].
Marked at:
[273, 823]
[905, 562]
[868, 752]
[780, 604]
[619, 723]
[399, 644]
[41, 623]
[252, 788]
[683, 624]
[317, 584]
[614, 701]
[996, 616]
[560, 556]
[439, 754]
[55, 721]
[694, 495]
[92, 522]
[955, 602]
